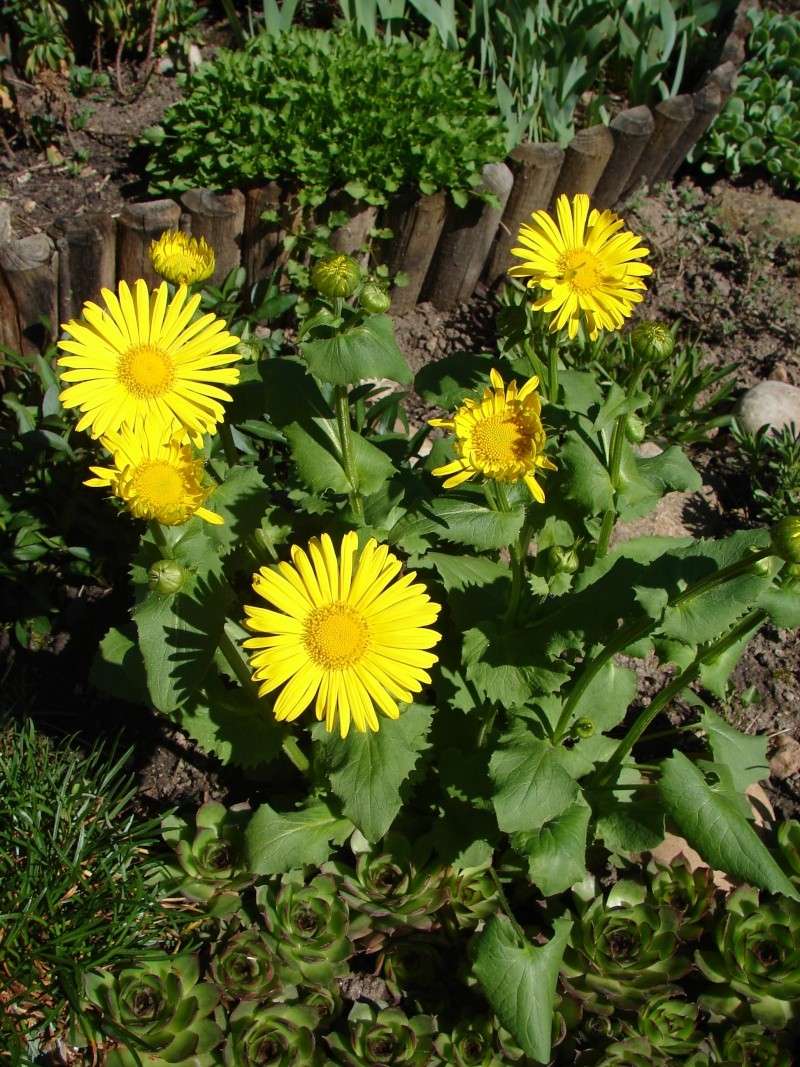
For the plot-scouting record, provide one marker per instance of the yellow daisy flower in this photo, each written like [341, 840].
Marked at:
[142, 359]
[586, 272]
[345, 632]
[182, 259]
[158, 479]
[500, 436]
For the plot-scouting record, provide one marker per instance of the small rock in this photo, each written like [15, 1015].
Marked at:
[779, 373]
[195, 57]
[165, 65]
[648, 450]
[28, 206]
[785, 762]
[773, 404]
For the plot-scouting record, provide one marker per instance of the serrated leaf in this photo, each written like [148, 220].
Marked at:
[461, 572]
[531, 786]
[118, 667]
[628, 820]
[317, 453]
[711, 824]
[582, 476]
[646, 480]
[607, 697]
[556, 852]
[276, 842]
[354, 354]
[241, 500]
[446, 382]
[520, 981]
[460, 520]
[744, 755]
[227, 723]
[366, 770]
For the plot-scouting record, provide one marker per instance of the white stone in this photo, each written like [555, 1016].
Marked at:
[773, 404]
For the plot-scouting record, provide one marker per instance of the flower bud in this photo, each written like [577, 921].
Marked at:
[336, 277]
[563, 560]
[374, 298]
[248, 350]
[635, 429]
[166, 576]
[583, 728]
[786, 538]
[652, 341]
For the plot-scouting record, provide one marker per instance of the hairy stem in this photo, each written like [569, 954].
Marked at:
[342, 405]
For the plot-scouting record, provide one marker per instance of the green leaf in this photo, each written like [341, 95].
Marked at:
[531, 786]
[556, 852]
[582, 476]
[743, 754]
[628, 820]
[368, 350]
[520, 981]
[711, 823]
[458, 519]
[282, 841]
[118, 667]
[461, 572]
[241, 500]
[607, 697]
[231, 725]
[645, 481]
[366, 770]
[446, 382]
[315, 450]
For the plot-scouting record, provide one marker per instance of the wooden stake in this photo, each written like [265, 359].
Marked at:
[219, 217]
[671, 118]
[354, 234]
[466, 242]
[417, 226]
[137, 226]
[631, 130]
[585, 159]
[28, 293]
[86, 260]
[707, 105]
[725, 77]
[261, 239]
[535, 168]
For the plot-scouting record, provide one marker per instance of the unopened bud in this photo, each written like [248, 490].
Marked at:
[583, 728]
[563, 560]
[785, 536]
[652, 341]
[635, 429]
[166, 576]
[374, 298]
[336, 277]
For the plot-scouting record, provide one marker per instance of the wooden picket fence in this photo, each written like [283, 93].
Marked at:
[444, 251]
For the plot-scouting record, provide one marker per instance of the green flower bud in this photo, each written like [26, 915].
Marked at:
[162, 1004]
[750, 1046]
[583, 728]
[246, 966]
[785, 535]
[271, 1035]
[374, 298]
[336, 277]
[652, 341]
[248, 350]
[166, 576]
[385, 1037]
[563, 560]
[635, 429]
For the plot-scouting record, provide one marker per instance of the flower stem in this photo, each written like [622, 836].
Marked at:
[160, 538]
[639, 628]
[295, 754]
[231, 453]
[342, 405]
[614, 465]
[753, 620]
[552, 374]
[518, 551]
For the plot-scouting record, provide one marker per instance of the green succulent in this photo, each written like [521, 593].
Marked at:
[633, 1052]
[324, 1000]
[473, 895]
[384, 1038]
[246, 965]
[162, 1008]
[271, 1035]
[310, 927]
[621, 948]
[690, 893]
[394, 888]
[419, 969]
[472, 1043]
[757, 962]
[789, 846]
[210, 855]
[668, 1023]
[750, 1046]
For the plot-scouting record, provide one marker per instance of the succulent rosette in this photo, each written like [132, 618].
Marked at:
[163, 1007]
[210, 855]
[394, 888]
[633, 1052]
[669, 1023]
[310, 927]
[420, 968]
[750, 1046]
[472, 1043]
[622, 948]
[757, 962]
[271, 1035]
[472, 895]
[246, 966]
[384, 1039]
[789, 846]
[690, 893]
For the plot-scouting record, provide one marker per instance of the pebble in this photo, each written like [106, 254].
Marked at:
[773, 404]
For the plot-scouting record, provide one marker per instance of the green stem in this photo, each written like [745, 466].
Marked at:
[637, 629]
[552, 373]
[231, 452]
[235, 22]
[752, 620]
[342, 405]
[614, 465]
[241, 668]
[160, 538]
[518, 551]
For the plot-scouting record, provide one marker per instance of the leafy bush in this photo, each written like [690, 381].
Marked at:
[760, 125]
[773, 467]
[77, 881]
[328, 112]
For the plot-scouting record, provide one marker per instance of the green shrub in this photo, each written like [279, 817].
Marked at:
[329, 112]
[760, 125]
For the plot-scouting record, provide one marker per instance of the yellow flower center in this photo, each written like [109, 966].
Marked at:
[146, 371]
[336, 636]
[581, 270]
[499, 439]
[160, 487]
